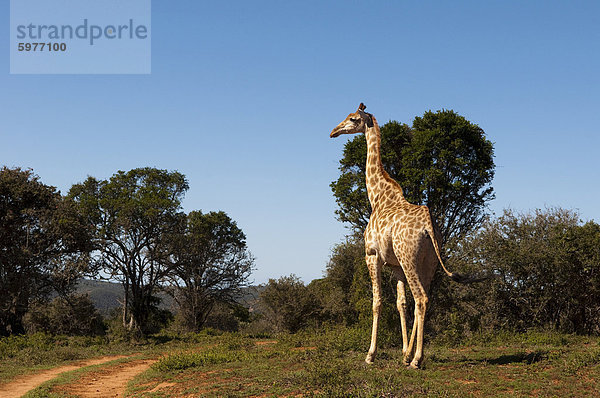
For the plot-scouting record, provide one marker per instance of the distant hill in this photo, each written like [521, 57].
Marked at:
[107, 296]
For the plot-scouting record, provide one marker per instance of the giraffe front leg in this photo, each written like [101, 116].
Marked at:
[375, 272]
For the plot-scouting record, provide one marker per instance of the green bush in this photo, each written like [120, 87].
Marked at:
[344, 339]
[73, 315]
[158, 319]
[224, 317]
[12, 346]
[546, 268]
[288, 304]
[44, 348]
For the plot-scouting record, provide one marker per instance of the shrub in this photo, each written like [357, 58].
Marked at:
[224, 317]
[546, 269]
[11, 346]
[72, 315]
[288, 304]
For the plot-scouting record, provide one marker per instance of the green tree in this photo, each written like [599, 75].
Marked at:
[581, 259]
[443, 161]
[288, 304]
[135, 215]
[44, 245]
[334, 291]
[211, 266]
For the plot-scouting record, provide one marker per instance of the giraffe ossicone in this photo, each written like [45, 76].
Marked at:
[399, 234]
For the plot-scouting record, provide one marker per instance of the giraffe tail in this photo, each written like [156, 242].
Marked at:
[455, 276]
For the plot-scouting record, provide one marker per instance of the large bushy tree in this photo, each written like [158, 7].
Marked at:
[211, 265]
[44, 245]
[548, 272]
[442, 161]
[135, 214]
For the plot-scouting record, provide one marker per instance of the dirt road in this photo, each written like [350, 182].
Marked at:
[106, 382]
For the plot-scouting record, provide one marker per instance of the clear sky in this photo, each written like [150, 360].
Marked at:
[243, 95]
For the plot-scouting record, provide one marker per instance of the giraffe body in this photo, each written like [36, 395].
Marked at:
[399, 234]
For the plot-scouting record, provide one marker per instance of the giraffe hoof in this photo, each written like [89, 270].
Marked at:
[405, 361]
[369, 359]
[414, 365]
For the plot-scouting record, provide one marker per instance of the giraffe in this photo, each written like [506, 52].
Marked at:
[399, 234]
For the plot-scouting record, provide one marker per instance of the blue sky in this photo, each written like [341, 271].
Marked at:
[243, 95]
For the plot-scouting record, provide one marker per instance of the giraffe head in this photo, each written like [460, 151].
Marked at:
[354, 123]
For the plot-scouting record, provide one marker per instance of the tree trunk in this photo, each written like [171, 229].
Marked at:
[126, 304]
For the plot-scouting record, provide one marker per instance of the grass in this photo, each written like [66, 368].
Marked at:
[330, 363]
[184, 360]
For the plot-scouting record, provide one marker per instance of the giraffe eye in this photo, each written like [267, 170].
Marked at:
[353, 120]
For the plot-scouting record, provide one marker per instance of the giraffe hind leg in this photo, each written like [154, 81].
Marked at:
[411, 345]
[411, 272]
[401, 306]
[420, 309]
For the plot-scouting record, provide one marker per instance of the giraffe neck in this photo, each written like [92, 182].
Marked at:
[378, 180]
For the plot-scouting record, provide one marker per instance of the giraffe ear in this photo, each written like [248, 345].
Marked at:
[368, 117]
